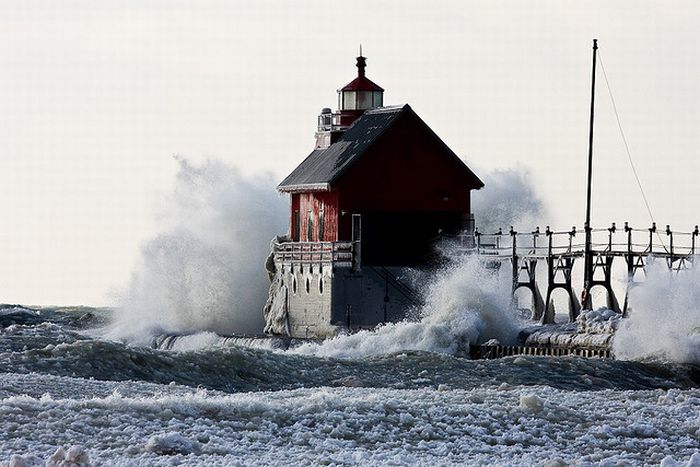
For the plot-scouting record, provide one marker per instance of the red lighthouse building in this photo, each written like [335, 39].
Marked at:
[372, 197]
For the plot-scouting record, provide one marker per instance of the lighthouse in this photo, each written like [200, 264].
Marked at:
[370, 200]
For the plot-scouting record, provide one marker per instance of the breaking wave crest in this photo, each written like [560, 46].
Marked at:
[465, 304]
[509, 198]
[664, 321]
[205, 270]
[54, 354]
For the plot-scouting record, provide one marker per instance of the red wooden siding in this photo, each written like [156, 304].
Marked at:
[315, 203]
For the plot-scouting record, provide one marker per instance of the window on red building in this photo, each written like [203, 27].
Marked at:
[296, 226]
[321, 226]
[310, 227]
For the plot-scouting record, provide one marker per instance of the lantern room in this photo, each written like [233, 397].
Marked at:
[360, 93]
[356, 97]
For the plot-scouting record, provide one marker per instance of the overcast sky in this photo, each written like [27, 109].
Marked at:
[97, 97]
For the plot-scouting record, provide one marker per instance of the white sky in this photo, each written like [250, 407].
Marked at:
[96, 98]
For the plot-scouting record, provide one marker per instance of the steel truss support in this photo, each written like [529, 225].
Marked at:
[524, 276]
[603, 262]
[559, 277]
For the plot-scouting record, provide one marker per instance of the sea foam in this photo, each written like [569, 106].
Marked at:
[466, 304]
[664, 321]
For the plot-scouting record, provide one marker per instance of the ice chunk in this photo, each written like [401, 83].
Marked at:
[531, 402]
[75, 456]
[694, 461]
[25, 461]
[171, 443]
[556, 462]
[348, 382]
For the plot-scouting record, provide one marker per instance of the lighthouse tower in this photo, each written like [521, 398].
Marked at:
[356, 97]
[377, 191]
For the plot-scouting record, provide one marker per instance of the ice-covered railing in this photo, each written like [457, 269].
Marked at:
[560, 251]
[609, 241]
[330, 121]
[337, 253]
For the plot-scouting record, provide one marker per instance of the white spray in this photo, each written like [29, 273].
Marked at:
[508, 198]
[205, 271]
[465, 305]
[664, 320]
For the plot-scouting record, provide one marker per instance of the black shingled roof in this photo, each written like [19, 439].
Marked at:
[323, 167]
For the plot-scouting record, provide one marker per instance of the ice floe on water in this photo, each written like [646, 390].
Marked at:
[505, 425]
[74, 456]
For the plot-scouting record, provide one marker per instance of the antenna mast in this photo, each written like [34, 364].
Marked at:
[588, 252]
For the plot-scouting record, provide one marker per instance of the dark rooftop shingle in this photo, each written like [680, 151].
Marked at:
[323, 167]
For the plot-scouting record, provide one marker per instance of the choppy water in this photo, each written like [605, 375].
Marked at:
[223, 403]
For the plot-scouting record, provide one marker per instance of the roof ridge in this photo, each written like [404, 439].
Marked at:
[387, 109]
[324, 167]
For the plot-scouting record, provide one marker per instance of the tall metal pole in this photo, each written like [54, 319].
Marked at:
[588, 253]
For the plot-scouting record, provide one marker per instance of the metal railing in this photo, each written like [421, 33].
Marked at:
[330, 122]
[404, 289]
